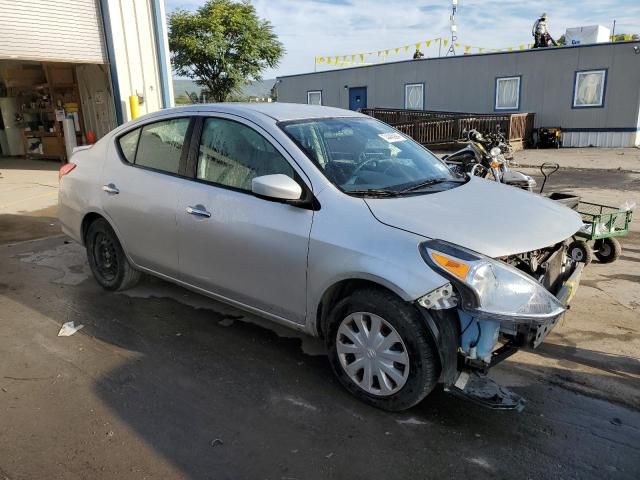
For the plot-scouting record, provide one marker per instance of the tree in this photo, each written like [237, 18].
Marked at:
[621, 37]
[222, 46]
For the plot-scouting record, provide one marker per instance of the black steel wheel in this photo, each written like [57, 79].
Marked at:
[107, 260]
[608, 250]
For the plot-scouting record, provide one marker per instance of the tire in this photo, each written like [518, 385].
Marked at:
[608, 250]
[415, 348]
[107, 260]
[581, 251]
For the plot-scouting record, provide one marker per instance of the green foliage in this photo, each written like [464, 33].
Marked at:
[183, 100]
[222, 46]
[621, 37]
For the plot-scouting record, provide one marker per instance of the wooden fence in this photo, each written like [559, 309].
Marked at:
[442, 129]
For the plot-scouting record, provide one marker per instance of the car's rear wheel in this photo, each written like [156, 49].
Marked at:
[107, 260]
[380, 350]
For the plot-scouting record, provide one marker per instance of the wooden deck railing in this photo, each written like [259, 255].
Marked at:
[442, 128]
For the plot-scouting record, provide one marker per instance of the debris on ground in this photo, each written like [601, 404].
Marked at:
[68, 329]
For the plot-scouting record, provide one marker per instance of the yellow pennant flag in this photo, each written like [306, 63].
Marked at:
[379, 52]
[510, 49]
[521, 47]
[362, 57]
[386, 52]
[406, 48]
[428, 43]
[397, 50]
[336, 60]
[445, 41]
[329, 60]
[480, 49]
[467, 48]
[418, 45]
[353, 58]
[457, 45]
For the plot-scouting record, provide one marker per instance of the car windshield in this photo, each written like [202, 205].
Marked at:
[363, 155]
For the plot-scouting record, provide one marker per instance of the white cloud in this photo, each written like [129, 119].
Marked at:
[310, 28]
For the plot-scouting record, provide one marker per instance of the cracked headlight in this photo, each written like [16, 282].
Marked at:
[490, 288]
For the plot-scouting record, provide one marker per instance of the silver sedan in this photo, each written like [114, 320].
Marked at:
[332, 223]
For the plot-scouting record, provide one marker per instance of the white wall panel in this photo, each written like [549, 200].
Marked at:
[136, 56]
[600, 139]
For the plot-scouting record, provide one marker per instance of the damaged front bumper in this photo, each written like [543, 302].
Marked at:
[565, 295]
[464, 369]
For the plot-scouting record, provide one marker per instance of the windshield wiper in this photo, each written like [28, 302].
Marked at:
[427, 183]
[374, 192]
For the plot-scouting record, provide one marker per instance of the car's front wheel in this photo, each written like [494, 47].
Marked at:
[107, 260]
[381, 351]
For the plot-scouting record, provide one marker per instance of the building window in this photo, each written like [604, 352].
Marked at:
[314, 97]
[507, 93]
[588, 90]
[414, 96]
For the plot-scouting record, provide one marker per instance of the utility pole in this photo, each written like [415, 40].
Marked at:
[613, 31]
[454, 28]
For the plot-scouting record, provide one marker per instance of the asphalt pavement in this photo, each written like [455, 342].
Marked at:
[164, 383]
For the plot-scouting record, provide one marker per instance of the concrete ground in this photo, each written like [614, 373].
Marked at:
[627, 159]
[165, 383]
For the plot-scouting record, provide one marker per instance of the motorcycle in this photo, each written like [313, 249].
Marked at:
[488, 156]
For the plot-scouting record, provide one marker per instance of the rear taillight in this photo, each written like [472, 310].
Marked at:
[66, 168]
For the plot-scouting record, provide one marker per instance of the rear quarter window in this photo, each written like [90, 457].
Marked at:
[128, 144]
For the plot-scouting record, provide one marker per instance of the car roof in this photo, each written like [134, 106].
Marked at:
[280, 112]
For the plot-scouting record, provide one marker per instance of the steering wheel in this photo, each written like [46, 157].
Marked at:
[360, 167]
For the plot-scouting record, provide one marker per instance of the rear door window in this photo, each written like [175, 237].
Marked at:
[160, 145]
[128, 144]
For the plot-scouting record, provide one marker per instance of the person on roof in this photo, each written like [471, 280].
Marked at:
[540, 33]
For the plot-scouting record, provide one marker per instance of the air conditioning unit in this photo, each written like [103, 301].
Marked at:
[585, 35]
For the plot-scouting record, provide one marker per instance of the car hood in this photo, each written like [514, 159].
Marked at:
[485, 216]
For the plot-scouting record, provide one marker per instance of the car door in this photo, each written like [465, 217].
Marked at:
[141, 180]
[232, 243]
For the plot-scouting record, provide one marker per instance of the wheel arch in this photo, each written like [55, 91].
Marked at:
[343, 288]
[92, 216]
[87, 220]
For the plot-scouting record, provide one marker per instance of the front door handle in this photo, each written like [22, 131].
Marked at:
[110, 188]
[198, 211]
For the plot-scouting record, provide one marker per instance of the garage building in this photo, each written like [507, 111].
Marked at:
[80, 60]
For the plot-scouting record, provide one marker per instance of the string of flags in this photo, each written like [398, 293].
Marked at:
[364, 58]
[376, 56]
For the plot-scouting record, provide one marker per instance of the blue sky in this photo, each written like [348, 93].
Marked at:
[310, 28]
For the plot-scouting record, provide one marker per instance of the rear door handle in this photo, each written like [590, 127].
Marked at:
[110, 188]
[198, 211]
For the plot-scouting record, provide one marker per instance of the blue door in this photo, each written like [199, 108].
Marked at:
[357, 98]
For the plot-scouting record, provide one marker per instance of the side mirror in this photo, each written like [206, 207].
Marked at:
[277, 187]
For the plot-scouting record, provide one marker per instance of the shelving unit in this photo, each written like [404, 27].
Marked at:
[38, 101]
